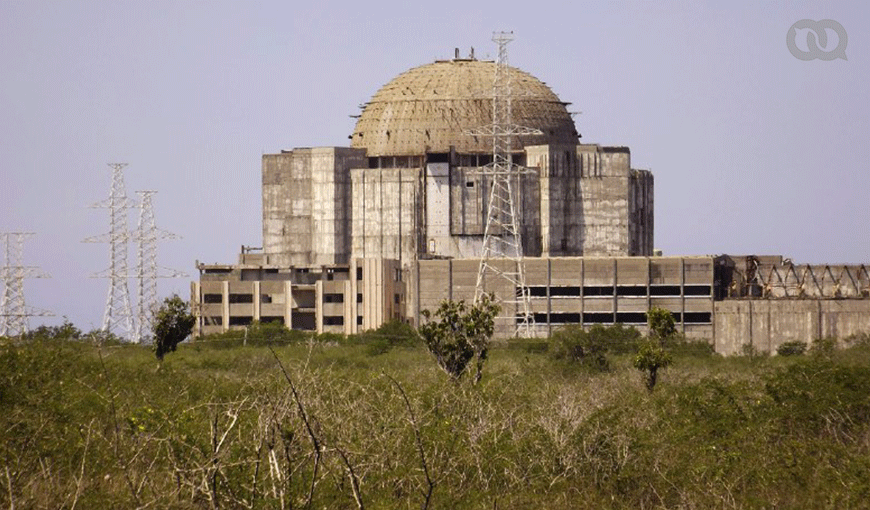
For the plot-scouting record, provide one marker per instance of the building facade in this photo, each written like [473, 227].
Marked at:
[393, 224]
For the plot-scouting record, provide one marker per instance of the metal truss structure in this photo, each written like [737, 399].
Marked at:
[803, 281]
[147, 272]
[118, 316]
[14, 312]
[502, 256]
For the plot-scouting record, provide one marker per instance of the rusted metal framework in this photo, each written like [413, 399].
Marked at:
[14, 312]
[502, 256]
[788, 280]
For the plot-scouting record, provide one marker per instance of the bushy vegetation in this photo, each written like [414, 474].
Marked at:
[173, 323]
[791, 348]
[456, 333]
[590, 348]
[293, 420]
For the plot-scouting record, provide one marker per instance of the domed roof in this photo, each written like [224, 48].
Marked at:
[426, 109]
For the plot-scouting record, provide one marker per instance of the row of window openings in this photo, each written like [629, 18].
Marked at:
[328, 320]
[618, 317]
[217, 320]
[211, 299]
[621, 290]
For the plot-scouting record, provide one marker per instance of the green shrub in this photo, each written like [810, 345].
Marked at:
[576, 345]
[823, 346]
[455, 333]
[794, 348]
[682, 346]
[389, 335]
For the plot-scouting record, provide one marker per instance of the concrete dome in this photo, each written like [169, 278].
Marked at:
[426, 109]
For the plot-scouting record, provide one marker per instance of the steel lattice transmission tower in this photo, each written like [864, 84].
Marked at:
[147, 272]
[15, 312]
[118, 317]
[502, 256]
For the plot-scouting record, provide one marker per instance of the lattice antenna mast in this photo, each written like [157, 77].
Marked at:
[118, 316]
[147, 272]
[502, 256]
[15, 312]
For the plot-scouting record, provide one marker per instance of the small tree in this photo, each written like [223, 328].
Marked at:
[173, 322]
[456, 333]
[651, 356]
[661, 324]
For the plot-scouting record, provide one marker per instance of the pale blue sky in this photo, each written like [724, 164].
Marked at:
[753, 151]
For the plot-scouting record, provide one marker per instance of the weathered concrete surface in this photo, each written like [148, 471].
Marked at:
[307, 205]
[585, 290]
[765, 324]
[340, 298]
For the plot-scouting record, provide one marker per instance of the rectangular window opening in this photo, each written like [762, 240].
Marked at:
[631, 290]
[598, 318]
[631, 317]
[697, 290]
[241, 321]
[664, 290]
[333, 320]
[598, 290]
[538, 291]
[565, 291]
[698, 317]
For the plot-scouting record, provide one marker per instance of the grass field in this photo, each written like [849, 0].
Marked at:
[350, 424]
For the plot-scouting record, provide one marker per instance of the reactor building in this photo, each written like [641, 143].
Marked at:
[394, 223]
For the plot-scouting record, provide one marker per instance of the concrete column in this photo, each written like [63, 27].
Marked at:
[288, 304]
[683, 294]
[318, 306]
[196, 307]
[255, 294]
[225, 305]
[349, 318]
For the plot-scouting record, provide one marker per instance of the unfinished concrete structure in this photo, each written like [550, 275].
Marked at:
[408, 188]
[354, 236]
[334, 298]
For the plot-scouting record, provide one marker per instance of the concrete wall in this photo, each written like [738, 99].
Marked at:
[562, 201]
[765, 324]
[592, 203]
[469, 199]
[307, 205]
[641, 213]
[584, 290]
[388, 213]
[345, 298]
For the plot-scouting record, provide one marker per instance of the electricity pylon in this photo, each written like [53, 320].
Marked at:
[118, 316]
[502, 255]
[147, 272]
[14, 309]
